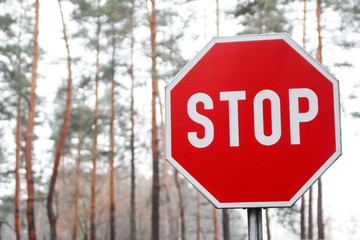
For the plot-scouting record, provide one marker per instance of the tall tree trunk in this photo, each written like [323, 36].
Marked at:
[94, 150]
[155, 147]
[268, 233]
[172, 234]
[197, 215]
[30, 129]
[216, 230]
[304, 25]
[39, 208]
[112, 141]
[320, 222]
[60, 204]
[132, 136]
[77, 179]
[302, 208]
[318, 15]
[310, 223]
[61, 140]
[17, 219]
[181, 205]
[302, 219]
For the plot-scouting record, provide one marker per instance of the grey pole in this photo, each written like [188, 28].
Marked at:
[254, 223]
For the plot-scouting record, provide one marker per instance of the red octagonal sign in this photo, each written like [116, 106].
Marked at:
[252, 121]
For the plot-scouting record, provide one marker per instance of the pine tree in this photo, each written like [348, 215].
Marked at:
[80, 129]
[262, 16]
[60, 143]
[132, 137]
[112, 119]
[17, 220]
[30, 130]
[152, 18]
[12, 80]
[181, 206]
[95, 147]
[15, 63]
[197, 215]
[288, 218]
[77, 178]
[112, 144]
[170, 59]
[349, 12]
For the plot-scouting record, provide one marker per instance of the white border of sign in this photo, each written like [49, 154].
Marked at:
[244, 38]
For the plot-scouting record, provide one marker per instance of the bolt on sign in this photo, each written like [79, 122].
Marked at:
[252, 121]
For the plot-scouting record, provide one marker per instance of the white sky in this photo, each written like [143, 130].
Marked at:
[340, 189]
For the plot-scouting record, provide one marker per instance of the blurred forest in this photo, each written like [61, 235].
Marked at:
[82, 133]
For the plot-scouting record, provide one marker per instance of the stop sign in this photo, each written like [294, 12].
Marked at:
[252, 121]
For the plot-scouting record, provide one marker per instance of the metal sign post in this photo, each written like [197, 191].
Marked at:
[254, 223]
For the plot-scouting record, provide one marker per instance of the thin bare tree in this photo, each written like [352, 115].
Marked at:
[17, 219]
[154, 132]
[30, 129]
[112, 140]
[267, 218]
[216, 229]
[172, 234]
[77, 179]
[197, 215]
[96, 118]
[132, 136]
[181, 205]
[60, 143]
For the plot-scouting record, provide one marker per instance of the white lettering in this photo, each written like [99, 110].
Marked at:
[259, 117]
[201, 119]
[233, 97]
[295, 116]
